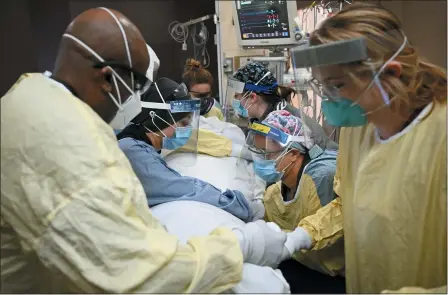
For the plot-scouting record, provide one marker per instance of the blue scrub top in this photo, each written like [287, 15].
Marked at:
[163, 184]
[322, 170]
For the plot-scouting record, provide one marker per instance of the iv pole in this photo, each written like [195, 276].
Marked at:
[217, 38]
[219, 54]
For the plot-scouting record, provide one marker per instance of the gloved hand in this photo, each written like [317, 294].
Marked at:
[297, 240]
[262, 244]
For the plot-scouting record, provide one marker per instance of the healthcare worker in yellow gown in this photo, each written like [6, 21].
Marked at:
[74, 217]
[300, 177]
[391, 177]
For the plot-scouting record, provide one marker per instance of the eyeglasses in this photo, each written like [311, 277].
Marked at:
[201, 94]
[265, 152]
[142, 83]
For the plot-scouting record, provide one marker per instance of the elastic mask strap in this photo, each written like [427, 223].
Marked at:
[114, 76]
[282, 156]
[118, 92]
[247, 100]
[163, 100]
[153, 131]
[153, 115]
[377, 81]
[286, 167]
[149, 130]
[126, 45]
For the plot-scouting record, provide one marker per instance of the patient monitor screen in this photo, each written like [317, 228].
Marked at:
[263, 19]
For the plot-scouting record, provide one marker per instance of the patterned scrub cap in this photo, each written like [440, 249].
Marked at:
[252, 72]
[292, 125]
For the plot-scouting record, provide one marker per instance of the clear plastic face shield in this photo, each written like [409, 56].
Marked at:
[343, 74]
[238, 97]
[185, 132]
[234, 91]
[269, 146]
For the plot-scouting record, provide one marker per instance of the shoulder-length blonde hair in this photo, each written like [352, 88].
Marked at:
[419, 83]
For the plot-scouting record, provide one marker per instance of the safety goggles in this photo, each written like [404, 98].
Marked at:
[268, 141]
[141, 82]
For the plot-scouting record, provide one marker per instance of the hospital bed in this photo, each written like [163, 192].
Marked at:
[223, 173]
[186, 218]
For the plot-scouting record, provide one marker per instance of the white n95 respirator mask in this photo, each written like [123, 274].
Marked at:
[128, 111]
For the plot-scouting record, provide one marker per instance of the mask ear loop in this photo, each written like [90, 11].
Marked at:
[281, 157]
[246, 96]
[163, 100]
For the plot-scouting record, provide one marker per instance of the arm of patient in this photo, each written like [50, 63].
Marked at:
[163, 184]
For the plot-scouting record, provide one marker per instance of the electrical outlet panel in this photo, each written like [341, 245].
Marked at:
[228, 65]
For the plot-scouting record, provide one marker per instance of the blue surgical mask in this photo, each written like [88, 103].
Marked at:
[343, 113]
[180, 138]
[239, 108]
[266, 170]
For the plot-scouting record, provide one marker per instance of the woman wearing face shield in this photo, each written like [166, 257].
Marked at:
[199, 82]
[391, 176]
[156, 129]
[284, 154]
[261, 95]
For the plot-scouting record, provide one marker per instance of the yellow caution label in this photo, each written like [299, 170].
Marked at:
[260, 128]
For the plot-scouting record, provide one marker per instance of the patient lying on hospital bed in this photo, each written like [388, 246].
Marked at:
[223, 172]
[188, 218]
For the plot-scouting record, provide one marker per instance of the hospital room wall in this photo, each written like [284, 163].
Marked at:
[425, 24]
[36, 26]
[153, 17]
[17, 39]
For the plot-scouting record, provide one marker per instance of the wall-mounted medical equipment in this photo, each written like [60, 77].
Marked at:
[266, 23]
[180, 32]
